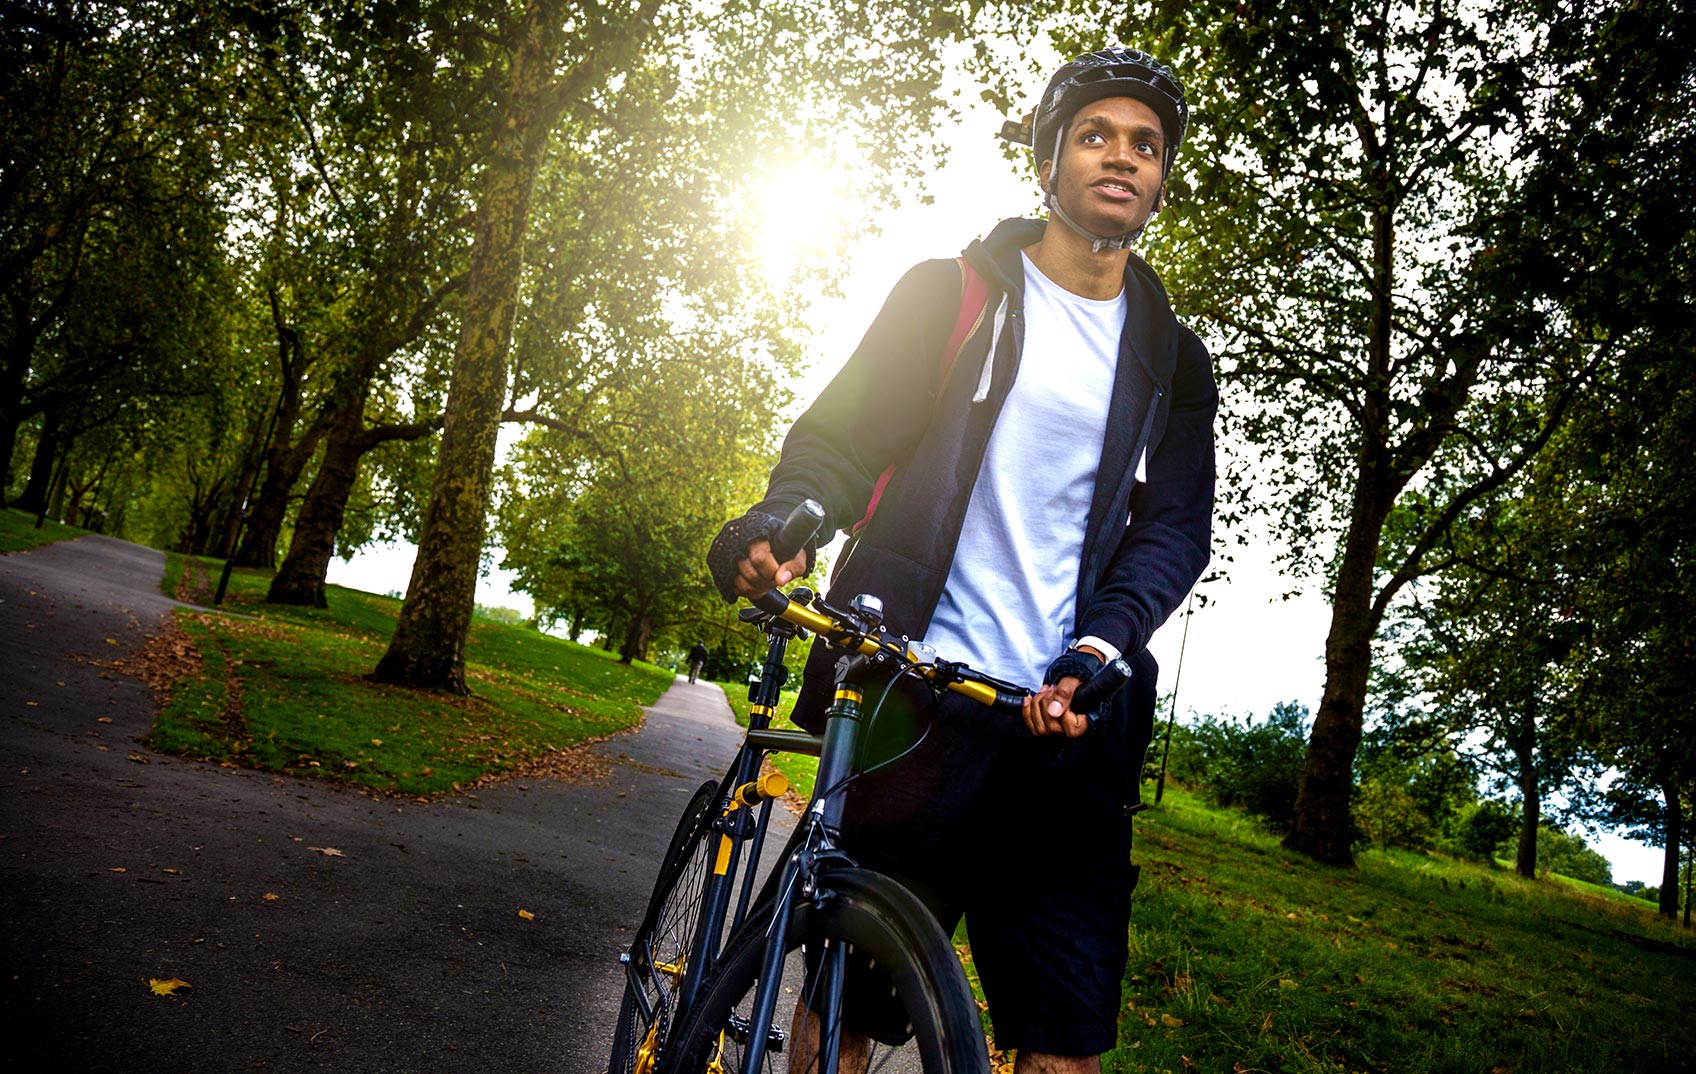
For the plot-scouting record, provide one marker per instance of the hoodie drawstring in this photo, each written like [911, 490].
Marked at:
[988, 373]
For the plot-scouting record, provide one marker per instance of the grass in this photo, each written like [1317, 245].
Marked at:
[800, 768]
[18, 532]
[1247, 958]
[282, 689]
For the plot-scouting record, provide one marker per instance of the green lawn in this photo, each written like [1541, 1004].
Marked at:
[18, 532]
[283, 689]
[1247, 958]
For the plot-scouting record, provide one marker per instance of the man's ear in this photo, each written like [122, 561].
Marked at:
[1159, 200]
[1044, 172]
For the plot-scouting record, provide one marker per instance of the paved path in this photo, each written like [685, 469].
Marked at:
[404, 952]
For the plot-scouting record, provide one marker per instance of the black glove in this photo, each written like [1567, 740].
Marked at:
[731, 546]
[1072, 664]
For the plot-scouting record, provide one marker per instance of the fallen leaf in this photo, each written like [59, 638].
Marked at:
[376, 742]
[103, 719]
[120, 869]
[527, 915]
[328, 852]
[114, 641]
[1288, 985]
[173, 872]
[166, 988]
[270, 896]
[138, 758]
[1170, 1021]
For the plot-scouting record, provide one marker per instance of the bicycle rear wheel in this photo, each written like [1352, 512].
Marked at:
[873, 916]
[659, 953]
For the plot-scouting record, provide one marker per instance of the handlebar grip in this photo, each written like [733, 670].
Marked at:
[797, 530]
[1093, 694]
[1011, 704]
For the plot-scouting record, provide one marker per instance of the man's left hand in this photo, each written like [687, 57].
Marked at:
[1049, 710]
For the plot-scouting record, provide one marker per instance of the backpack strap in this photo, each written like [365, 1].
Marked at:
[974, 299]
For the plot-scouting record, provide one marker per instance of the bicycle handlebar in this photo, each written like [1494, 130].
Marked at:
[800, 527]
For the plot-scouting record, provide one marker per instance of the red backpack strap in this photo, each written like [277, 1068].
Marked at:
[974, 298]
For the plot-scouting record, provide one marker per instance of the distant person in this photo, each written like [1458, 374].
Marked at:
[697, 657]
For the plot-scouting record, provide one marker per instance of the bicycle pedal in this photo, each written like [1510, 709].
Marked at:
[737, 1028]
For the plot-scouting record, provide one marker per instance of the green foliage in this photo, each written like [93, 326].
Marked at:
[1388, 816]
[1255, 767]
[1485, 828]
[1567, 854]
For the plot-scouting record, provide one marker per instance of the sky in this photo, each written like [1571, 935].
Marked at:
[1247, 648]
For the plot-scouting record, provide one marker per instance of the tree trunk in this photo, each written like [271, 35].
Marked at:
[636, 637]
[1524, 746]
[265, 521]
[428, 646]
[40, 485]
[1322, 826]
[1525, 858]
[300, 578]
[1675, 844]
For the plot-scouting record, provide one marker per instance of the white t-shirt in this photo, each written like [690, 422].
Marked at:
[1008, 604]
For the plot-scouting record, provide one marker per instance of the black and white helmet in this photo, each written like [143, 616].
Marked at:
[1111, 72]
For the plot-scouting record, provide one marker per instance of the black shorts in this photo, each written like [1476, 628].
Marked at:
[1029, 840]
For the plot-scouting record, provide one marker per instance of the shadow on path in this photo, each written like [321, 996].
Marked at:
[400, 952]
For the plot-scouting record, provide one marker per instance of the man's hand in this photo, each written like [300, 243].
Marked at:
[759, 573]
[1049, 710]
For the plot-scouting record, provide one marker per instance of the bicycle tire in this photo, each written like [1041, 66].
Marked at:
[873, 914]
[664, 937]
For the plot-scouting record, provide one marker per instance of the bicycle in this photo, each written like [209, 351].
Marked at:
[702, 983]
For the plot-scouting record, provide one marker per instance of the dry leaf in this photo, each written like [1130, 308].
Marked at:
[120, 869]
[1288, 985]
[1171, 1022]
[270, 896]
[103, 719]
[376, 742]
[166, 988]
[173, 872]
[328, 852]
[527, 915]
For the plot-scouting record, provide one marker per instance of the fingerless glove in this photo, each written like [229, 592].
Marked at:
[1072, 664]
[732, 543]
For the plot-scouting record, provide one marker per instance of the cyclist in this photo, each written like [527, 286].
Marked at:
[1050, 506]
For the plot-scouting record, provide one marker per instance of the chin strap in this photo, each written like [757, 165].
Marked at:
[1097, 243]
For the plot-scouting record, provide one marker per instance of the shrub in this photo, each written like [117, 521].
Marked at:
[1388, 815]
[1485, 828]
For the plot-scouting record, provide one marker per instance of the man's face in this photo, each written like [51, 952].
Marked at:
[1110, 173]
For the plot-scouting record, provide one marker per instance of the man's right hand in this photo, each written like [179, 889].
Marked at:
[758, 573]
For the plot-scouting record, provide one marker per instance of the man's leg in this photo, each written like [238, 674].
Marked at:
[1038, 1063]
[853, 1052]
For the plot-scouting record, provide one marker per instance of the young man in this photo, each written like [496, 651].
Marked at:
[1050, 507]
[697, 659]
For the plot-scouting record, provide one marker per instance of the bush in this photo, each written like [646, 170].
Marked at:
[1486, 828]
[1388, 815]
[1254, 767]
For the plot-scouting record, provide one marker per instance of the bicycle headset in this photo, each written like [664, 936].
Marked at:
[1111, 72]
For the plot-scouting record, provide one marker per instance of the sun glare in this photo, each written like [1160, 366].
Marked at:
[802, 211]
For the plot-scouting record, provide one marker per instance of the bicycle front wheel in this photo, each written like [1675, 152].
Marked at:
[659, 955]
[870, 916]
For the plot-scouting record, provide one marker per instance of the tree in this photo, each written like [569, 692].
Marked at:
[785, 62]
[1349, 222]
[109, 230]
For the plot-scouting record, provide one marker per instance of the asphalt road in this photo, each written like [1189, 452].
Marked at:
[405, 951]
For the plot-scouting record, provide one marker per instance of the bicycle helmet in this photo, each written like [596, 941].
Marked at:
[1111, 72]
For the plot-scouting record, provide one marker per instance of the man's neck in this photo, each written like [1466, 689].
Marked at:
[1065, 257]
